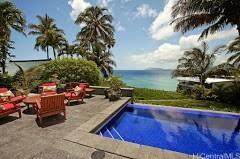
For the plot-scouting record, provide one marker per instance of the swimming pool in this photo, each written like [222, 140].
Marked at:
[182, 130]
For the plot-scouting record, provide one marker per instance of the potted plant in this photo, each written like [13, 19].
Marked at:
[114, 92]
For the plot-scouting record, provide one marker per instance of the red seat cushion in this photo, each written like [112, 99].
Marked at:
[70, 95]
[17, 99]
[48, 93]
[3, 90]
[83, 87]
[49, 84]
[9, 106]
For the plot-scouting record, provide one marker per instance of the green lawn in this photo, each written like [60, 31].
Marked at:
[152, 94]
[168, 98]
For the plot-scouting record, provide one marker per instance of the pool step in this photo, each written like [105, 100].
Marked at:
[116, 132]
[111, 133]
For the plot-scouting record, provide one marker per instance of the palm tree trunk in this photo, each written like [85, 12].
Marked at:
[54, 53]
[3, 65]
[4, 57]
[202, 81]
[47, 53]
[238, 29]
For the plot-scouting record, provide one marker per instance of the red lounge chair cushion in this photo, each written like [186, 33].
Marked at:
[84, 84]
[3, 90]
[8, 106]
[70, 95]
[49, 84]
[17, 99]
[49, 93]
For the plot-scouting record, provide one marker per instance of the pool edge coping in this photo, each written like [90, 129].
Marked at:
[193, 109]
[85, 135]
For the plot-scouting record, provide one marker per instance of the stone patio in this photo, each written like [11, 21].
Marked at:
[73, 138]
[24, 139]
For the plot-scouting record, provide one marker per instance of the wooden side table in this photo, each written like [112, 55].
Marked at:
[32, 100]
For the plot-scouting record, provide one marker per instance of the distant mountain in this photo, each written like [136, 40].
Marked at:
[158, 69]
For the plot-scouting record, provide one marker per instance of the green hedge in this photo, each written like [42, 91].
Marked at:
[63, 70]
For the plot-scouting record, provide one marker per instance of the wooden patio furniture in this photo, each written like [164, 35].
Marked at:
[31, 100]
[72, 95]
[71, 85]
[50, 105]
[6, 97]
[48, 88]
[89, 91]
[8, 108]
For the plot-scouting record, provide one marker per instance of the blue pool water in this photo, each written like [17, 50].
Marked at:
[186, 131]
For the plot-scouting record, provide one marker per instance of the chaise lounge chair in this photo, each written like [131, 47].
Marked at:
[89, 91]
[8, 108]
[50, 105]
[7, 96]
[73, 95]
[48, 88]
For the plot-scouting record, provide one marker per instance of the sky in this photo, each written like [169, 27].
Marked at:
[144, 37]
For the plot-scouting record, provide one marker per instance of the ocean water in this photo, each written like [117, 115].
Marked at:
[155, 79]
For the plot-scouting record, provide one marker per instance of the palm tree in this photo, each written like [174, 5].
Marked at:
[217, 14]
[196, 62]
[10, 18]
[5, 46]
[96, 28]
[103, 59]
[234, 47]
[74, 49]
[56, 41]
[48, 34]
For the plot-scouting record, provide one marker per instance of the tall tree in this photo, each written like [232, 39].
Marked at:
[97, 27]
[11, 18]
[196, 62]
[102, 58]
[56, 41]
[234, 48]
[48, 34]
[97, 35]
[216, 14]
[72, 49]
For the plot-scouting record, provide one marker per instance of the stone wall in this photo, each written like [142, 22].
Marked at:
[126, 92]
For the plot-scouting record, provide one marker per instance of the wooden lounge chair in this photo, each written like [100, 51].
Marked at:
[75, 95]
[89, 91]
[71, 85]
[50, 105]
[48, 88]
[10, 98]
[8, 108]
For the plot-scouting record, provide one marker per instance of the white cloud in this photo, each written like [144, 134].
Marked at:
[78, 6]
[166, 55]
[160, 28]
[125, 1]
[190, 41]
[145, 10]
[104, 3]
[119, 27]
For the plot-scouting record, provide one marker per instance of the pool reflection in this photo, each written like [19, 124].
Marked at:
[183, 131]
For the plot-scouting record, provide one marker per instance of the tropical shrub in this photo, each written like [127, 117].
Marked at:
[197, 92]
[115, 83]
[228, 92]
[201, 92]
[63, 71]
[111, 81]
[5, 80]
